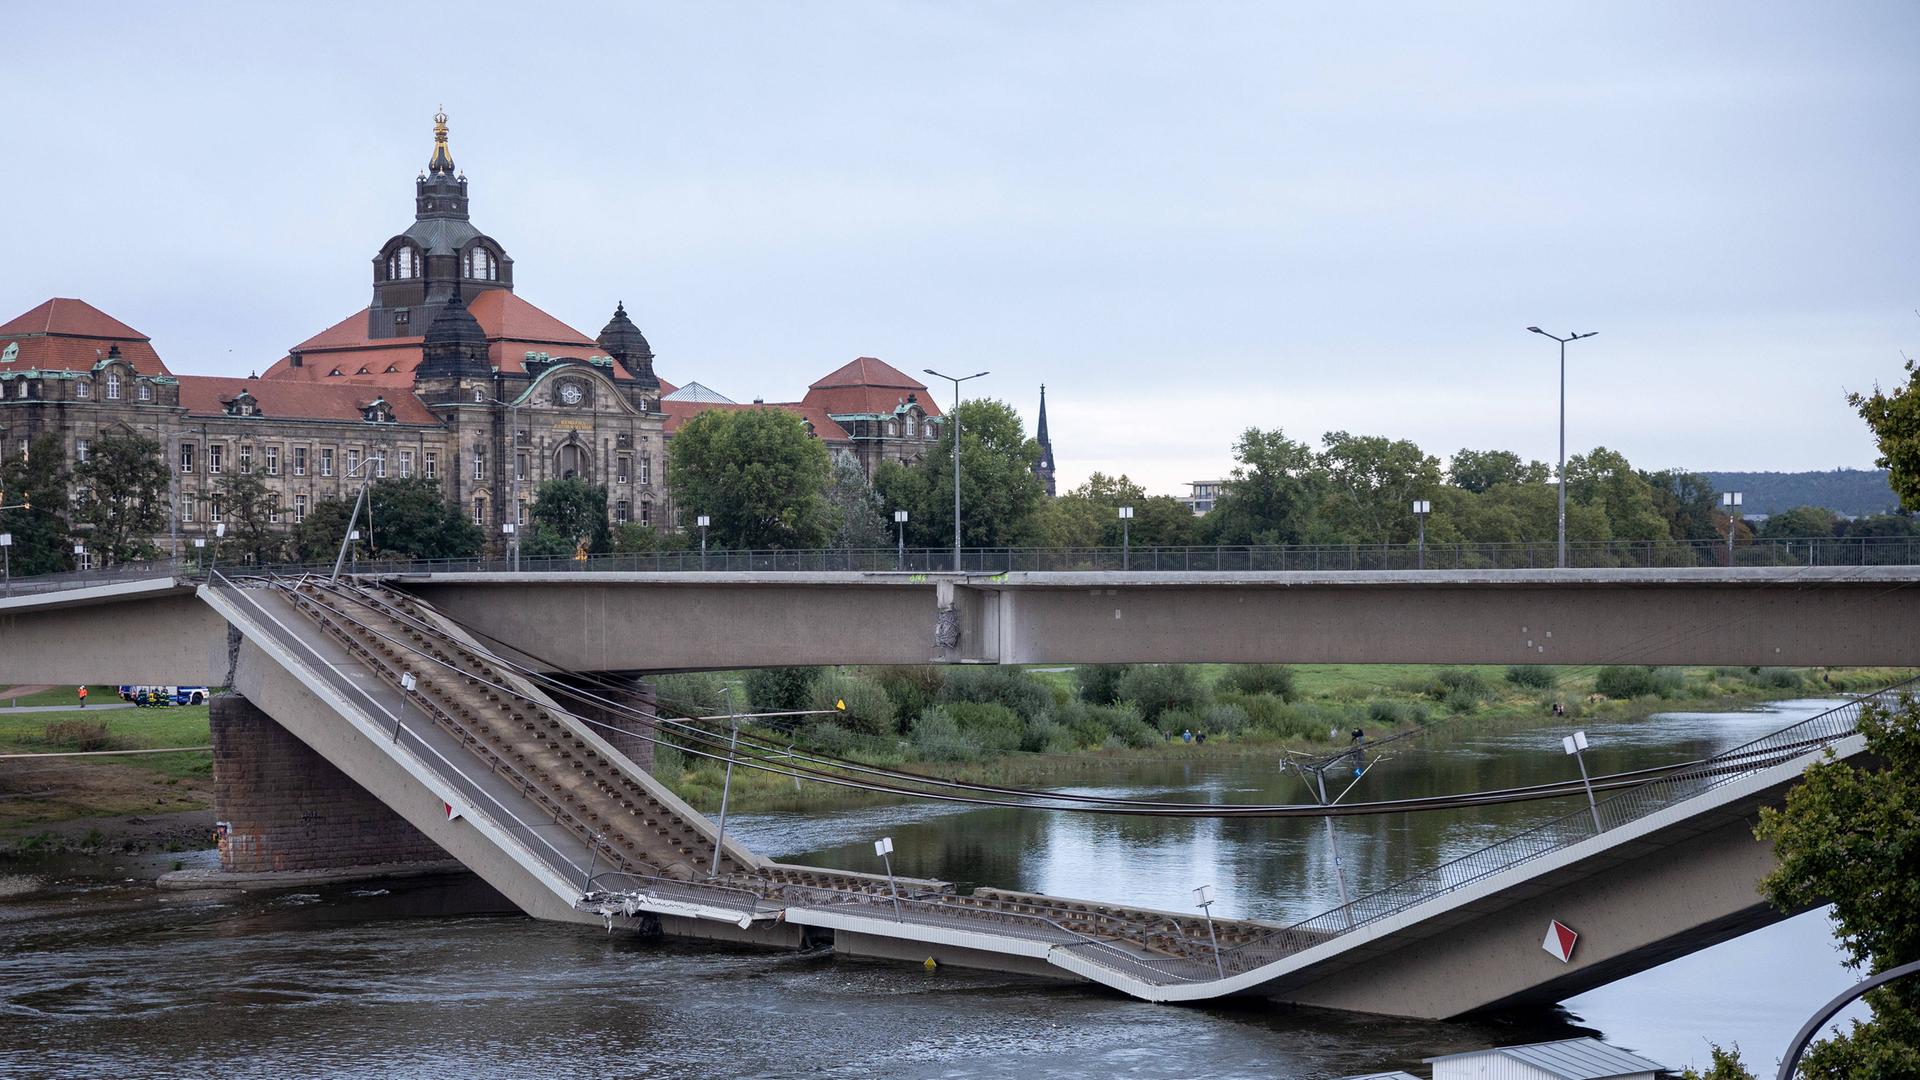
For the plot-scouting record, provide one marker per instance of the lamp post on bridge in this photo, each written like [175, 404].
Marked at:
[1421, 508]
[883, 847]
[703, 521]
[513, 451]
[1126, 532]
[726, 785]
[1203, 897]
[1563, 431]
[900, 520]
[1576, 747]
[1730, 501]
[955, 417]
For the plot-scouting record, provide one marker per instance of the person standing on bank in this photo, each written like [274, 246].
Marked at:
[83, 697]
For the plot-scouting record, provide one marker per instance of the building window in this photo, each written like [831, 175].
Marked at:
[216, 452]
[186, 457]
[216, 514]
[402, 265]
[646, 470]
[144, 392]
[379, 463]
[479, 464]
[479, 396]
[646, 513]
[620, 512]
[430, 464]
[299, 509]
[326, 461]
[480, 264]
[522, 514]
[273, 460]
[406, 464]
[79, 449]
[246, 457]
[644, 404]
[913, 428]
[22, 391]
[113, 386]
[626, 466]
[83, 390]
[624, 440]
[479, 511]
[186, 510]
[299, 461]
[353, 462]
[273, 511]
[519, 466]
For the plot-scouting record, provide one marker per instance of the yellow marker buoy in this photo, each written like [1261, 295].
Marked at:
[930, 965]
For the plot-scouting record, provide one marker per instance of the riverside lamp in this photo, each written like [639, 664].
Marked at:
[1203, 898]
[1731, 500]
[1126, 533]
[703, 521]
[1562, 563]
[955, 417]
[1421, 508]
[1576, 747]
[900, 519]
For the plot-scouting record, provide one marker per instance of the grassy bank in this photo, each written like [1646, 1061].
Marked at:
[36, 792]
[1311, 709]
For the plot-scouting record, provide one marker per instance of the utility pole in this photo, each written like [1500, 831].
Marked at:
[954, 417]
[1563, 431]
[726, 785]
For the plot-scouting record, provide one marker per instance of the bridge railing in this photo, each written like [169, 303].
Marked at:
[1351, 558]
[1563, 832]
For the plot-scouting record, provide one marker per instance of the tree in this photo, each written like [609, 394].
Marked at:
[757, 474]
[1801, 522]
[999, 492]
[1371, 485]
[1686, 500]
[1271, 494]
[1726, 1066]
[1604, 478]
[403, 519]
[856, 508]
[1849, 835]
[1479, 470]
[42, 535]
[637, 539]
[1895, 421]
[1088, 516]
[249, 508]
[567, 514]
[123, 497]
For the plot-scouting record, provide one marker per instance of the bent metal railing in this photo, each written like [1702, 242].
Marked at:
[1630, 805]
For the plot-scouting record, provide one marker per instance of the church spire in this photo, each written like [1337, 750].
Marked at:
[442, 162]
[1044, 467]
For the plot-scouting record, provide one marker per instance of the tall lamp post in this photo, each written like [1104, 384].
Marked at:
[1563, 431]
[1126, 534]
[1730, 501]
[1421, 508]
[955, 417]
[703, 521]
[513, 450]
[1203, 899]
[900, 520]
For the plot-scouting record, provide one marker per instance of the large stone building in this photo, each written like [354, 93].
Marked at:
[446, 374]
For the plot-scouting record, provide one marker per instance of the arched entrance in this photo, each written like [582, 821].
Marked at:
[571, 462]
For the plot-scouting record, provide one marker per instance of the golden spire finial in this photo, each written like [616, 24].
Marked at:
[442, 158]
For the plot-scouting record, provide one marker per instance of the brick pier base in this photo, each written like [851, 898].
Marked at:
[288, 808]
[624, 732]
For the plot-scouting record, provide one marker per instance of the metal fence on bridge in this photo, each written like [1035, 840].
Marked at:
[1538, 555]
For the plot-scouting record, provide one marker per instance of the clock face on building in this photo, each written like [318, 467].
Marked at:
[571, 393]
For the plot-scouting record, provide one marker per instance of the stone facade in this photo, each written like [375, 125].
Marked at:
[287, 808]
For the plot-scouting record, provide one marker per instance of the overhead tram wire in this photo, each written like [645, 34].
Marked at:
[1113, 806]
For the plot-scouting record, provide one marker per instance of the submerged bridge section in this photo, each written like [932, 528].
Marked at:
[545, 806]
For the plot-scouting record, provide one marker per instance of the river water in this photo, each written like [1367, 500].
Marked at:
[102, 975]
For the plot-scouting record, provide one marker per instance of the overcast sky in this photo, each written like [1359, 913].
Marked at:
[1184, 218]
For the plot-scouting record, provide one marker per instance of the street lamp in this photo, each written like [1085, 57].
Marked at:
[1576, 745]
[1203, 896]
[1731, 500]
[883, 847]
[955, 417]
[1126, 534]
[703, 521]
[513, 449]
[900, 519]
[1563, 431]
[6, 553]
[1421, 508]
[726, 785]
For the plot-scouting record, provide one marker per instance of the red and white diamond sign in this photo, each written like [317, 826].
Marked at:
[452, 814]
[1560, 940]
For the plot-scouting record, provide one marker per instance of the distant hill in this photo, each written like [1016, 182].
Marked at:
[1855, 492]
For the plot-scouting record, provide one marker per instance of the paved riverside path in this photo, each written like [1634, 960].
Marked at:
[102, 707]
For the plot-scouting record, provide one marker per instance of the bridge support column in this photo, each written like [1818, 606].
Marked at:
[288, 808]
[623, 731]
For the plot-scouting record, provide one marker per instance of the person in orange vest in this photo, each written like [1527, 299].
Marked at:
[83, 697]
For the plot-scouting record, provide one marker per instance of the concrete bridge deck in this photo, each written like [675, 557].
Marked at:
[156, 631]
[1460, 937]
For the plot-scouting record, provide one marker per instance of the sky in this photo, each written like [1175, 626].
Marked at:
[1186, 219]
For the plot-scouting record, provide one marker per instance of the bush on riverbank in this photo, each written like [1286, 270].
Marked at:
[1532, 676]
[1635, 682]
[1158, 688]
[1275, 679]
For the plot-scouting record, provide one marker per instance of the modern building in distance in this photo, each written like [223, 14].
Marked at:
[1201, 495]
[447, 373]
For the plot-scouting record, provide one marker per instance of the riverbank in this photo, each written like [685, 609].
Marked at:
[137, 803]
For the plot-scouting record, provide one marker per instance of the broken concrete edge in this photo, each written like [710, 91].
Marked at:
[271, 880]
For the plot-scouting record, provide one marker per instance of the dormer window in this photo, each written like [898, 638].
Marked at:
[479, 396]
[481, 264]
[243, 404]
[403, 264]
[113, 386]
[332, 373]
[377, 411]
[83, 390]
[144, 392]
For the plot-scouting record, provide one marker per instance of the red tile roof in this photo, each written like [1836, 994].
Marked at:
[679, 412]
[207, 395]
[868, 386]
[64, 334]
[513, 327]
